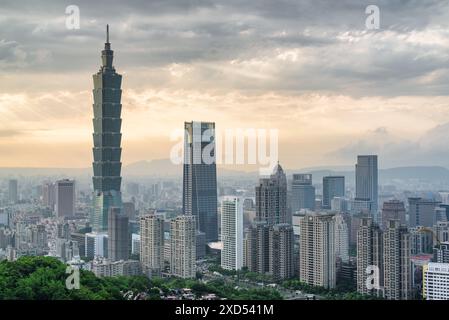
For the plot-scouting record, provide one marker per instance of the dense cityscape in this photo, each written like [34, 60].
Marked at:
[293, 235]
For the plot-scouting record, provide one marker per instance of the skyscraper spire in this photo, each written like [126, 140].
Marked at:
[107, 55]
[107, 140]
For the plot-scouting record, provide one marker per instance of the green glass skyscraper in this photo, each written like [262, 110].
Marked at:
[107, 137]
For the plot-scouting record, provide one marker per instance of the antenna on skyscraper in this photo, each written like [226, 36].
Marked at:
[107, 33]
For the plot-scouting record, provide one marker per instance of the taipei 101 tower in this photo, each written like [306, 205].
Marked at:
[107, 137]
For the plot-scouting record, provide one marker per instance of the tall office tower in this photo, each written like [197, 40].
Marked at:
[280, 244]
[341, 238]
[333, 186]
[441, 253]
[397, 264]
[317, 250]
[65, 198]
[422, 212]
[13, 191]
[436, 281]
[393, 210]
[49, 195]
[118, 235]
[366, 186]
[199, 197]
[107, 137]
[369, 256]
[232, 233]
[183, 246]
[152, 244]
[271, 198]
[303, 193]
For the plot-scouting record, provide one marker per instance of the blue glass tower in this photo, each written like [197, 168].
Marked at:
[107, 109]
[199, 197]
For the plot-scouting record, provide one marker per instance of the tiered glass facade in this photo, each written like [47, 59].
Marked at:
[107, 138]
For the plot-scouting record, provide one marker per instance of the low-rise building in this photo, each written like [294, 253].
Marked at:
[106, 268]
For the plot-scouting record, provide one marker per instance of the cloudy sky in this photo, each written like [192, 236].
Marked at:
[311, 69]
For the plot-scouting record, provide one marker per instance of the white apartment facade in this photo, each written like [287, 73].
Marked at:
[436, 281]
[232, 233]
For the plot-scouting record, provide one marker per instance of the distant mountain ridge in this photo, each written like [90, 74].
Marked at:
[163, 167]
[423, 173]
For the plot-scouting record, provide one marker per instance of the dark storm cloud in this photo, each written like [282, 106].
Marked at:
[335, 53]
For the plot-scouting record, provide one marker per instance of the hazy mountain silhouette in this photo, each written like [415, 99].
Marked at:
[164, 168]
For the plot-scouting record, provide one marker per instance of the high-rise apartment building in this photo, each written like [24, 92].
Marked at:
[393, 210]
[199, 196]
[152, 244]
[280, 251]
[369, 257]
[366, 180]
[271, 229]
[341, 238]
[118, 235]
[317, 262]
[65, 198]
[232, 233]
[107, 123]
[333, 186]
[421, 240]
[441, 253]
[183, 246]
[441, 230]
[302, 192]
[436, 281]
[397, 263]
[257, 249]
